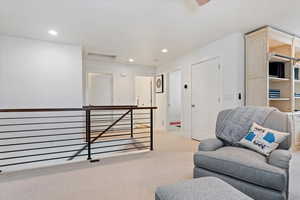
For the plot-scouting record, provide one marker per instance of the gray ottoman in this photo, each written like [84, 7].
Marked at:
[207, 188]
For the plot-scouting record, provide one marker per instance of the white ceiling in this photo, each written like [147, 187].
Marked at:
[139, 29]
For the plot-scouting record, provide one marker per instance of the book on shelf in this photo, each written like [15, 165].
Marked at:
[271, 97]
[274, 93]
[274, 90]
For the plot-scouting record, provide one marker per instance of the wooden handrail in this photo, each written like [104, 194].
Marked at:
[118, 108]
[41, 109]
[76, 109]
[121, 107]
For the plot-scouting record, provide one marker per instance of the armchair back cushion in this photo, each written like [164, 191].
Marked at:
[275, 120]
[236, 123]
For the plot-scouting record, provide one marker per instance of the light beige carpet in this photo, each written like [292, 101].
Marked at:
[132, 177]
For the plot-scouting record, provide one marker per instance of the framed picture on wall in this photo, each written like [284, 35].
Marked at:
[159, 84]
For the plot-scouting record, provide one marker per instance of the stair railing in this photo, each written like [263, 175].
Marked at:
[44, 135]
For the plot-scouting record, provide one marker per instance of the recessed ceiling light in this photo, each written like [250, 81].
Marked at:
[131, 60]
[164, 50]
[53, 32]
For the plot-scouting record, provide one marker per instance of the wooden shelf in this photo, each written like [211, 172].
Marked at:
[274, 79]
[279, 99]
[275, 58]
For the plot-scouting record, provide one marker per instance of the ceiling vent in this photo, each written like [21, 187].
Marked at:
[100, 56]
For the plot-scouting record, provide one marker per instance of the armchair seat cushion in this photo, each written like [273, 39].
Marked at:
[280, 158]
[242, 164]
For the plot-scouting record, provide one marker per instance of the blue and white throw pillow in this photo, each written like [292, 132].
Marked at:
[263, 140]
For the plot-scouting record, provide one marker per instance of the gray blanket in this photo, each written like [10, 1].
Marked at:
[235, 125]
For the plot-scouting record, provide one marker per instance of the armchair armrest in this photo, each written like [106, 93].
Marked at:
[210, 144]
[280, 158]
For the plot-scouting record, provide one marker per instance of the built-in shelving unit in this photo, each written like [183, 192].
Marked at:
[296, 67]
[273, 73]
[271, 60]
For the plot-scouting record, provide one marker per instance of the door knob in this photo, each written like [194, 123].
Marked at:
[193, 105]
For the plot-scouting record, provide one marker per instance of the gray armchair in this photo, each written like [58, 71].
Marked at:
[260, 177]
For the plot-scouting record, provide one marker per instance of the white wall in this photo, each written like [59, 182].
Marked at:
[38, 74]
[230, 49]
[35, 74]
[123, 78]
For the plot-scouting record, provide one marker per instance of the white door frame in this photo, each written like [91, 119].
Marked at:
[221, 88]
[152, 88]
[87, 85]
[168, 96]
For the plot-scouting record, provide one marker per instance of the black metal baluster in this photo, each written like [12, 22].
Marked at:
[131, 122]
[88, 131]
[151, 129]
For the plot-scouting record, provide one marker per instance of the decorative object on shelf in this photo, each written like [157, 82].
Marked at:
[159, 83]
[296, 73]
[276, 69]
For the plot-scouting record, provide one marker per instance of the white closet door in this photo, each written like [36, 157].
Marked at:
[143, 91]
[100, 89]
[206, 98]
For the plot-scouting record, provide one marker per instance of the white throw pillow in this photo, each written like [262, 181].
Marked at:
[263, 140]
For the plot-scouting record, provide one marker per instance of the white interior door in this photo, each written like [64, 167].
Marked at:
[174, 100]
[144, 91]
[206, 98]
[100, 89]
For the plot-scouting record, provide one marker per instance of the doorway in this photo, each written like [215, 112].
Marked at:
[174, 100]
[99, 89]
[144, 91]
[206, 98]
